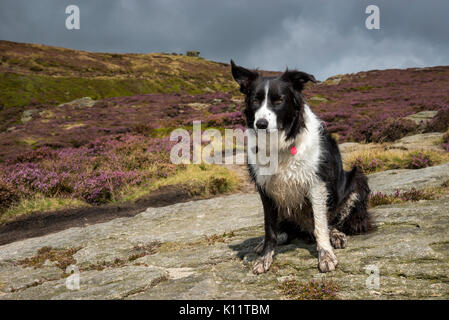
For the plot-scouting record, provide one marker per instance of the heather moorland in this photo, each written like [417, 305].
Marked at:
[85, 129]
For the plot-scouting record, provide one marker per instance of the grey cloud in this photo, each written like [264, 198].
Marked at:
[323, 37]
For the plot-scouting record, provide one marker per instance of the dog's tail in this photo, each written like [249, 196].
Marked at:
[356, 219]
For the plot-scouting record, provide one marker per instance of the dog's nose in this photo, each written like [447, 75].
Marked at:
[262, 124]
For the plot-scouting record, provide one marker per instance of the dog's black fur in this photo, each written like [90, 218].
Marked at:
[285, 104]
[340, 184]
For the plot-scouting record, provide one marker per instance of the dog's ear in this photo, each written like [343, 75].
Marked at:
[297, 78]
[244, 77]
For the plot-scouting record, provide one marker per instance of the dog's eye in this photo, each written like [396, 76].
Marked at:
[278, 101]
[257, 100]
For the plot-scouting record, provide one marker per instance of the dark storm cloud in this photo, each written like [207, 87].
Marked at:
[323, 37]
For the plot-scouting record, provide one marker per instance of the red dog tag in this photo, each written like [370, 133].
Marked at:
[293, 150]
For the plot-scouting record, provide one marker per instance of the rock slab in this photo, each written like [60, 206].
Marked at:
[204, 250]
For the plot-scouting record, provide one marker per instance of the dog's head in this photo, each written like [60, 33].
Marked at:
[273, 103]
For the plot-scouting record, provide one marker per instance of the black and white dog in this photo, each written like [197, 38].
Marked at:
[309, 192]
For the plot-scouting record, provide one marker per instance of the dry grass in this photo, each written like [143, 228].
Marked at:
[375, 158]
[201, 180]
[40, 203]
[212, 239]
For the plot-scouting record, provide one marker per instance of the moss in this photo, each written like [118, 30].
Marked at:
[364, 88]
[158, 132]
[210, 240]
[317, 100]
[62, 257]
[116, 263]
[21, 90]
[176, 246]
[142, 250]
[30, 141]
[322, 289]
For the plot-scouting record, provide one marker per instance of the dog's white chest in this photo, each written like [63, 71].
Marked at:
[290, 184]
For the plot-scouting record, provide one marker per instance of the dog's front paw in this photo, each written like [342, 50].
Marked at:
[282, 238]
[338, 239]
[259, 248]
[263, 263]
[327, 261]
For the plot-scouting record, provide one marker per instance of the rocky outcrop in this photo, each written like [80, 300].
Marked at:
[204, 250]
[422, 117]
[425, 141]
[81, 102]
[391, 180]
[418, 142]
[27, 115]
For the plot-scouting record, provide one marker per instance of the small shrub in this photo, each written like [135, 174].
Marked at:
[314, 290]
[418, 160]
[43, 153]
[378, 159]
[103, 186]
[29, 178]
[62, 257]
[379, 199]
[446, 137]
[142, 250]
[225, 119]
[192, 53]
[8, 195]
[440, 122]
[413, 194]
[219, 185]
[36, 67]
[366, 165]
[146, 129]
[385, 130]
[445, 144]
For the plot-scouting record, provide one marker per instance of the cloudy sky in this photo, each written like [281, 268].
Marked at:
[322, 37]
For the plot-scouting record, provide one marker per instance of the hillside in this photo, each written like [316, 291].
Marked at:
[31, 72]
[79, 129]
[368, 106]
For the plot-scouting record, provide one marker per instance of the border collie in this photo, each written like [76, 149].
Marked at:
[309, 192]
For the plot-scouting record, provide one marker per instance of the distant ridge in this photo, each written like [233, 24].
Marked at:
[34, 72]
